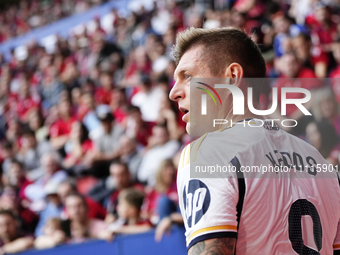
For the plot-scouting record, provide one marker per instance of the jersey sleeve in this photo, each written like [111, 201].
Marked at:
[208, 205]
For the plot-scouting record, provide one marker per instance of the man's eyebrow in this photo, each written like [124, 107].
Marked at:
[179, 72]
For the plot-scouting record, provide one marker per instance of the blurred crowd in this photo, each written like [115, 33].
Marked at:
[19, 19]
[90, 142]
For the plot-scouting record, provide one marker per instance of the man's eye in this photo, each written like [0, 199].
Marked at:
[187, 76]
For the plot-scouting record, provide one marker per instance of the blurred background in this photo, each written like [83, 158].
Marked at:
[89, 140]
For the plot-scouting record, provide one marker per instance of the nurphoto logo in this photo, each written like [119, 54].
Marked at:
[239, 101]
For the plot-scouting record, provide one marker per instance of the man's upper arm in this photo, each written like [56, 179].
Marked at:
[209, 206]
[216, 246]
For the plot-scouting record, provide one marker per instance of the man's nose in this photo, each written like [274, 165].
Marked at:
[176, 93]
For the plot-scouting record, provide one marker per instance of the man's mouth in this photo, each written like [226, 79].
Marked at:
[183, 110]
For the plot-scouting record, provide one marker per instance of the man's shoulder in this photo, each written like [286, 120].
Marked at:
[233, 139]
[221, 145]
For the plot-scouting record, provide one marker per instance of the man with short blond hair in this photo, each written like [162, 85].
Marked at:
[293, 212]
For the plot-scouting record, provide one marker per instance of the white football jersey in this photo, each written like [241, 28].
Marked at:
[293, 208]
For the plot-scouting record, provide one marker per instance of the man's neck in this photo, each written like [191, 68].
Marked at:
[232, 119]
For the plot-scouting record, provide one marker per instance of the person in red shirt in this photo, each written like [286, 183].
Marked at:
[119, 104]
[78, 145]
[25, 100]
[60, 130]
[326, 32]
[294, 75]
[136, 127]
[291, 68]
[103, 94]
[10, 200]
[95, 209]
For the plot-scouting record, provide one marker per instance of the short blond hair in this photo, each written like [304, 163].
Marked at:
[223, 46]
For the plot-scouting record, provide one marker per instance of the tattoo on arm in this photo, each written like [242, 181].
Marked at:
[217, 246]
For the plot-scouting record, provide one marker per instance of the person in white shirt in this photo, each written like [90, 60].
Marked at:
[293, 210]
[52, 174]
[148, 100]
[160, 147]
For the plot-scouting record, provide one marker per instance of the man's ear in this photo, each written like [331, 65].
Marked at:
[234, 73]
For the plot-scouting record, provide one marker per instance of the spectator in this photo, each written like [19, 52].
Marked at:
[130, 155]
[281, 26]
[87, 113]
[36, 124]
[323, 137]
[13, 134]
[129, 221]
[52, 210]
[10, 200]
[79, 226]
[32, 150]
[167, 115]
[120, 179]
[326, 108]
[106, 145]
[95, 210]
[16, 177]
[60, 130]
[291, 68]
[160, 147]
[25, 99]
[325, 31]
[51, 173]
[312, 57]
[162, 200]
[78, 146]
[119, 104]
[7, 154]
[148, 100]
[103, 94]
[50, 87]
[12, 240]
[53, 235]
[137, 128]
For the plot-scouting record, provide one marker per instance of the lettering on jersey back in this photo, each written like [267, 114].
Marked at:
[292, 160]
[196, 197]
